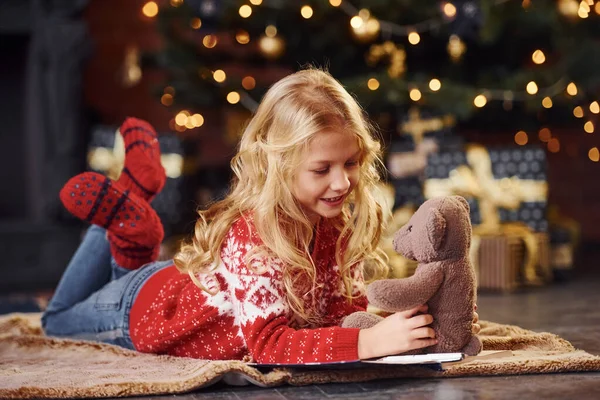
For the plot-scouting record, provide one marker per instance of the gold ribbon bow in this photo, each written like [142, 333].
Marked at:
[111, 161]
[477, 180]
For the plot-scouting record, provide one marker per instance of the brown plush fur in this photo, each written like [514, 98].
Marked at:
[438, 236]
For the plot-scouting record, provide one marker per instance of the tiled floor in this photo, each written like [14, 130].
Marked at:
[571, 310]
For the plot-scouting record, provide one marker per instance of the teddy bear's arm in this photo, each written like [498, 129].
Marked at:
[403, 294]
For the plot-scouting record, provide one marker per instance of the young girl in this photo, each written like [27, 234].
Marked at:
[271, 271]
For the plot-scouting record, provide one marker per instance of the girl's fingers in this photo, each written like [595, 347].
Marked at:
[409, 313]
[420, 320]
[423, 333]
[475, 317]
[419, 344]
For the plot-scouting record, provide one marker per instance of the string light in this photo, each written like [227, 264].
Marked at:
[245, 11]
[209, 41]
[589, 127]
[449, 10]
[544, 134]
[170, 90]
[435, 84]
[306, 12]
[538, 57]
[594, 154]
[547, 102]
[595, 107]
[356, 22]
[248, 83]
[572, 89]
[480, 101]
[373, 84]
[219, 75]
[532, 88]
[176, 3]
[414, 38]
[521, 138]
[415, 95]
[335, 3]
[233, 97]
[553, 145]
[197, 120]
[271, 31]
[597, 8]
[150, 9]
[242, 37]
[166, 99]
[196, 23]
[256, 2]
[578, 112]
[181, 117]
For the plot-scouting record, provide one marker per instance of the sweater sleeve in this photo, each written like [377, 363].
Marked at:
[264, 317]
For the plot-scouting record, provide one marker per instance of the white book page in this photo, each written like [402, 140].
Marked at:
[434, 358]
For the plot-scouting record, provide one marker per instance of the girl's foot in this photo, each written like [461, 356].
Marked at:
[134, 230]
[143, 173]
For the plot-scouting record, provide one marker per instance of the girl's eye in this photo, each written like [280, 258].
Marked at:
[321, 171]
[351, 163]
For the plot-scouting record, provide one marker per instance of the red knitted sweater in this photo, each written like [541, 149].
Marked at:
[248, 317]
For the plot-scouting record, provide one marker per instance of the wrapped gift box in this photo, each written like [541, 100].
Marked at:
[105, 155]
[523, 165]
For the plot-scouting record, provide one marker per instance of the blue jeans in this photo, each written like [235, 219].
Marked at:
[94, 296]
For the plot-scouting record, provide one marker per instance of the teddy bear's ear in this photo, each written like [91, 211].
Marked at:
[436, 228]
[464, 202]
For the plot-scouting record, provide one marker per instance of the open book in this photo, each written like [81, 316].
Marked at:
[436, 360]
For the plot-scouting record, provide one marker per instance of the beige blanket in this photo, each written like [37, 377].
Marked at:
[34, 366]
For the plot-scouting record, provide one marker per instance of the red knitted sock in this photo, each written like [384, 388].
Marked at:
[134, 230]
[143, 173]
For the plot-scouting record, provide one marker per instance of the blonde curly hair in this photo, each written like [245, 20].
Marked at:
[271, 148]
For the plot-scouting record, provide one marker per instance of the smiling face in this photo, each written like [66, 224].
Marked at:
[328, 174]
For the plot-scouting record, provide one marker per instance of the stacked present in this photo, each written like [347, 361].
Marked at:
[106, 154]
[507, 192]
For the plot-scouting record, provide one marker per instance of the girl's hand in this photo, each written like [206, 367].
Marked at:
[400, 332]
[476, 328]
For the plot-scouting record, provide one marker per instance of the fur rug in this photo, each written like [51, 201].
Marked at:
[35, 366]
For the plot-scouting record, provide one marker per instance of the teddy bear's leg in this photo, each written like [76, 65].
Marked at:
[361, 320]
[473, 347]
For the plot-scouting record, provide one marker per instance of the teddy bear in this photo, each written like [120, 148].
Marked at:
[438, 237]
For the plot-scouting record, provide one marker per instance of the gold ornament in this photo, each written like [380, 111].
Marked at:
[417, 127]
[271, 47]
[456, 48]
[396, 55]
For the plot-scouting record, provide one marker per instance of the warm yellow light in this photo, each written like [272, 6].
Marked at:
[219, 75]
[435, 84]
[521, 138]
[242, 37]
[150, 9]
[589, 127]
[585, 6]
[356, 22]
[544, 134]
[538, 57]
[245, 11]
[597, 8]
[415, 95]
[414, 38]
[578, 112]
[197, 120]
[373, 84]
[553, 145]
[532, 88]
[271, 31]
[233, 97]
[256, 2]
[582, 13]
[170, 90]
[547, 102]
[449, 10]
[594, 154]
[248, 83]
[166, 99]
[176, 3]
[480, 101]
[335, 3]
[209, 41]
[181, 118]
[306, 12]
[595, 107]
[196, 23]
[572, 89]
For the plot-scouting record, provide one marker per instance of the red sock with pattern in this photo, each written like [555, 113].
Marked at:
[143, 173]
[134, 230]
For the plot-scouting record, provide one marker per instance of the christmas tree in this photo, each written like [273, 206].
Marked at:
[491, 64]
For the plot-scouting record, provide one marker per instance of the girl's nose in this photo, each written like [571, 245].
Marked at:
[340, 182]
